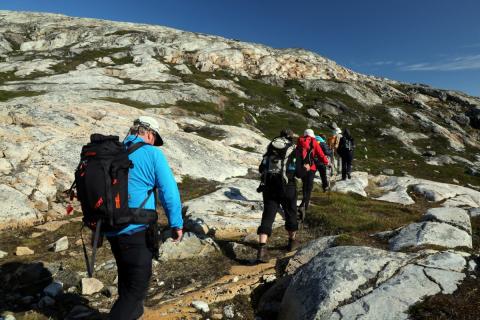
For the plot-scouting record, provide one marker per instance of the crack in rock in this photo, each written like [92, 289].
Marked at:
[434, 219]
[433, 280]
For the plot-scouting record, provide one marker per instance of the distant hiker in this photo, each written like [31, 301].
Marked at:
[279, 168]
[310, 150]
[321, 167]
[116, 185]
[346, 149]
[333, 143]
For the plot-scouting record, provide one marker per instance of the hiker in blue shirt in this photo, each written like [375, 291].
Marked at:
[135, 245]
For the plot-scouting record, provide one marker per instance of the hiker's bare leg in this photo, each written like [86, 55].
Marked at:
[262, 238]
[292, 234]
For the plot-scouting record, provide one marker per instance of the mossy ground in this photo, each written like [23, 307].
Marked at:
[463, 304]
[7, 95]
[71, 62]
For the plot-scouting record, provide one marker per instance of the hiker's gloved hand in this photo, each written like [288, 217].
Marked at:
[177, 234]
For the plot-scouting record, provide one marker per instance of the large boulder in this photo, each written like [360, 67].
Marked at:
[15, 207]
[366, 283]
[334, 276]
[430, 234]
[357, 184]
[456, 217]
[395, 189]
[190, 246]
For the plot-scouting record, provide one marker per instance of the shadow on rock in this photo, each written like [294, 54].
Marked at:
[31, 287]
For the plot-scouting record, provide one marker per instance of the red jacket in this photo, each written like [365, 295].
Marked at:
[307, 142]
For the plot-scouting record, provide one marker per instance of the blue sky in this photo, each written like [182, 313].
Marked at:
[436, 42]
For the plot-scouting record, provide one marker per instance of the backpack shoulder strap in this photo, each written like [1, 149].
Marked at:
[134, 147]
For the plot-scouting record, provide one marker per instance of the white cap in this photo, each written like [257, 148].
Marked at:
[338, 130]
[150, 124]
[309, 132]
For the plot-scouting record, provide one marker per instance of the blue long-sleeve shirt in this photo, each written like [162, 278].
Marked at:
[151, 169]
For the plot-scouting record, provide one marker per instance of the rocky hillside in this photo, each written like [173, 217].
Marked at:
[219, 101]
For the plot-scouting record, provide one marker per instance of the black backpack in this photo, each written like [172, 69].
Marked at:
[101, 182]
[275, 156]
[279, 163]
[348, 144]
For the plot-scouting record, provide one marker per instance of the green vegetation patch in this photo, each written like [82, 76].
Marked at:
[191, 188]
[270, 123]
[124, 60]
[124, 32]
[71, 63]
[207, 132]
[133, 103]
[335, 213]
[7, 95]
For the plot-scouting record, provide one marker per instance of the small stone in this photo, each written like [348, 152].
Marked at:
[297, 104]
[251, 238]
[472, 266]
[229, 312]
[267, 278]
[53, 289]
[455, 181]
[46, 302]
[235, 279]
[201, 306]
[36, 234]
[217, 316]
[3, 254]
[60, 245]
[8, 316]
[111, 291]
[313, 113]
[23, 251]
[91, 286]
[388, 172]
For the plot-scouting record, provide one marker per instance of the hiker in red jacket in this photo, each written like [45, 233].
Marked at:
[310, 149]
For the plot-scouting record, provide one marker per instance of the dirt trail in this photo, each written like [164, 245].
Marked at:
[241, 280]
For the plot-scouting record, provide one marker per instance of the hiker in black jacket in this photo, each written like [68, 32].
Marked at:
[345, 150]
[279, 170]
[322, 168]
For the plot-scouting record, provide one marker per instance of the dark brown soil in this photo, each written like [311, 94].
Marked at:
[463, 304]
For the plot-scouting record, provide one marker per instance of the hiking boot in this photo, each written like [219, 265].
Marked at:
[262, 254]
[293, 244]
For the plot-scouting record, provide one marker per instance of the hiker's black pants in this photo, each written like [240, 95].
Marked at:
[307, 186]
[347, 165]
[134, 264]
[322, 169]
[271, 201]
